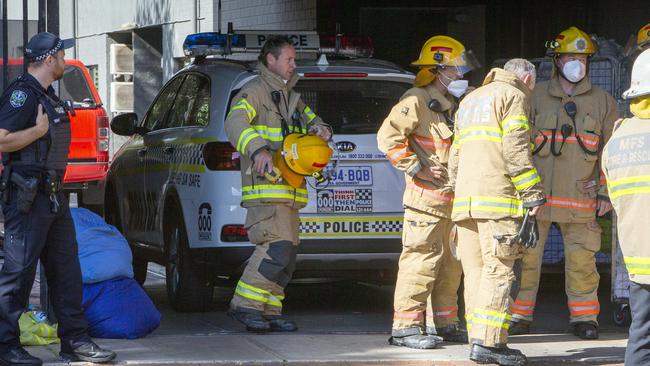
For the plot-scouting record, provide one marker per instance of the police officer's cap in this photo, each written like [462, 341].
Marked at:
[45, 44]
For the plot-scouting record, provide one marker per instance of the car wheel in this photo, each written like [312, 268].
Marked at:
[622, 315]
[188, 288]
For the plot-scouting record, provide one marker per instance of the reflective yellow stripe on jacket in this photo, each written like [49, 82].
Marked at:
[637, 265]
[513, 123]
[273, 191]
[253, 293]
[268, 133]
[243, 104]
[246, 136]
[298, 129]
[309, 113]
[526, 180]
[492, 133]
[509, 206]
[629, 185]
[479, 133]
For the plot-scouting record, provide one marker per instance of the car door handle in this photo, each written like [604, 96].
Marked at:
[168, 149]
[142, 152]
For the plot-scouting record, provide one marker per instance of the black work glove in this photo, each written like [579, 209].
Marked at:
[529, 231]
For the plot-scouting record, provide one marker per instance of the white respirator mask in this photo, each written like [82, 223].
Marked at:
[456, 88]
[574, 71]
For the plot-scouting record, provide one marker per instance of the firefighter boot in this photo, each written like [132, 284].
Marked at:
[278, 324]
[253, 322]
[585, 330]
[503, 356]
[451, 333]
[518, 327]
[418, 341]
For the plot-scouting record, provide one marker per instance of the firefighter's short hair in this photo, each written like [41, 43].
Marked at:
[274, 45]
[520, 67]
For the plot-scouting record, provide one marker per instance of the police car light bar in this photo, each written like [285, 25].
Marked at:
[344, 45]
[213, 43]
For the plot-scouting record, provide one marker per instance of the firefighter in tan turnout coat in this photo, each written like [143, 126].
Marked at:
[573, 121]
[416, 137]
[494, 180]
[262, 113]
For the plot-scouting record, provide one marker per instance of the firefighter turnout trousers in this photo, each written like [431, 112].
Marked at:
[491, 259]
[274, 229]
[581, 242]
[428, 277]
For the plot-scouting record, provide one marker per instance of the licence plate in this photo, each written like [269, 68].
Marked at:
[352, 176]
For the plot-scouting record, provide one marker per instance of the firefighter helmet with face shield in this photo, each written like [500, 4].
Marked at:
[443, 52]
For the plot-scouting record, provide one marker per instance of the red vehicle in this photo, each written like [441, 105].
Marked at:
[88, 157]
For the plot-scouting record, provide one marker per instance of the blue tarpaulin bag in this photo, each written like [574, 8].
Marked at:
[119, 308]
[104, 254]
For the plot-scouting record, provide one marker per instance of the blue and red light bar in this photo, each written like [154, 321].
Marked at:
[213, 43]
[343, 45]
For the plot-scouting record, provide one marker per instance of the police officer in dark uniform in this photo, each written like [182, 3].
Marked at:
[34, 141]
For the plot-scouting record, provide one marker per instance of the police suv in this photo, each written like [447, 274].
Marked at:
[174, 190]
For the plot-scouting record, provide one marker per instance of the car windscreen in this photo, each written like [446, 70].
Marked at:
[73, 86]
[357, 106]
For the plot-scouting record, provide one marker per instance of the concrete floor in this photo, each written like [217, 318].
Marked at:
[345, 323]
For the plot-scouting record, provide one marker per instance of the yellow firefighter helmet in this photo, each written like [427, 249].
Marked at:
[301, 155]
[442, 51]
[572, 40]
[643, 37]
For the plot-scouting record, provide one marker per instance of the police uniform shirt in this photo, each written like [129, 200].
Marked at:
[19, 109]
[20, 106]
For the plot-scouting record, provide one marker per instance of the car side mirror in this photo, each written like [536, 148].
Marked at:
[69, 105]
[125, 124]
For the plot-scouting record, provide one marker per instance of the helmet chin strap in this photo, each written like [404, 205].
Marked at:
[440, 77]
[446, 77]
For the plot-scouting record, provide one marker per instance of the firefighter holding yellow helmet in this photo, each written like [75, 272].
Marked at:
[573, 120]
[416, 137]
[267, 117]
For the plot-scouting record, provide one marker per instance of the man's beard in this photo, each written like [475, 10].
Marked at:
[59, 75]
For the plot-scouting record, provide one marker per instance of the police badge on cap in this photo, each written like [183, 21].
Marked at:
[45, 44]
